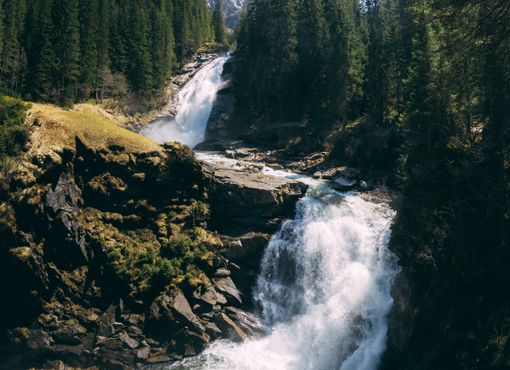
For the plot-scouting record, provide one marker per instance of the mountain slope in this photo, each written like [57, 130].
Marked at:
[232, 10]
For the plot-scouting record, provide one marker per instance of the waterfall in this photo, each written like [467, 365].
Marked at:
[194, 104]
[324, 285]
[324, 290]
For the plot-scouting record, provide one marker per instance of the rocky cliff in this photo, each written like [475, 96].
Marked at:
[106, 257]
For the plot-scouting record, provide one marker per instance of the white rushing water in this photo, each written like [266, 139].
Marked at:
[324, 285]
[194, 105]
[324, 289]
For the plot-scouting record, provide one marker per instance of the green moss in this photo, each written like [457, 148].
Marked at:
[144, 264]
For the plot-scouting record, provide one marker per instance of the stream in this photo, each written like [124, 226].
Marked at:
[324, 283]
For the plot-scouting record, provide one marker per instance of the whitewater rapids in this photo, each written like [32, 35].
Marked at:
[324, 288]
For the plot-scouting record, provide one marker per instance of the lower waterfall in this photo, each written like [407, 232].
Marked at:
[324, 290]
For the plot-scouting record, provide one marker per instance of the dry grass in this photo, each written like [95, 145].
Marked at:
[59, 127]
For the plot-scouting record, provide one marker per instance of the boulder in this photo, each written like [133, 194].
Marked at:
[228, 287]
[229, 327]
[128, 341]
[245, 320]
[246, 250]
[343, 184]
[243, 200]
[210, 296]
[172, 310]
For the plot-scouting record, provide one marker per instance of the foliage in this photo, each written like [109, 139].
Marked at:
[69, 51]
[13, 132]
[147, 267]
[428, 82]
[220, 35]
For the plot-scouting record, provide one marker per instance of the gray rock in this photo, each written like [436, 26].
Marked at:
[245, 320]
[222, 273]
[228, 287]
[63, 203]
[212, 329]
[127, 340]
[210, 296]
[106, 322]
[243, 200]
[246, 250]
[229, 328]
[171, 306]
[343, 184]
[143, 352]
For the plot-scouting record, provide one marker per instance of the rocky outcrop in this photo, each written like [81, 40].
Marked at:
[246, 199]
[106, 237]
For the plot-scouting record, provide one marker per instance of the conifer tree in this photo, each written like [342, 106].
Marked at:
[103, 45]
[219, 23]
[313, 38]
[42, 62]
[162, 45]
[139, 69]
[10, 59]
[89, 36]
[118, 41]
[337, 63]
[68, 49]
[374, 68]
[268, 84]
[1, 31]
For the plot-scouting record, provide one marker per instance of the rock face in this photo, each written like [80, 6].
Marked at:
[106, 240]
[242, 200]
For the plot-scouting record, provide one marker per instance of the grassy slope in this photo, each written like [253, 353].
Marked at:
[59, 127]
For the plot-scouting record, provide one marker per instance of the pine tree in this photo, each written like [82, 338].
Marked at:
[89, 36]
[1, 30]
[68, 49]
[139, 71]
[337, 63]
[312, 48]
[118, 41]
[42, 63]
[162, 45]
[219, 23]
[267, 85]
[374, 68]
[11, 57]
[397, 27]
[419, 99]
[103, 45]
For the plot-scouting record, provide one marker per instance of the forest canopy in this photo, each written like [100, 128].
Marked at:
[65, 51]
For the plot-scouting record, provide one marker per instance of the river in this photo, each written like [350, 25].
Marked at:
[324, 285]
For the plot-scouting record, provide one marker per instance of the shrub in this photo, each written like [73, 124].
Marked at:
[13, 132]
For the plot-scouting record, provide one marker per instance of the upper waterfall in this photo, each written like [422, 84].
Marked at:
[194, 105]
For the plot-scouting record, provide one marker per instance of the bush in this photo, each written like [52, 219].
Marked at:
[13, 133]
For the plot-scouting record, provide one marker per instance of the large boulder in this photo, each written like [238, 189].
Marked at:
[244, 200]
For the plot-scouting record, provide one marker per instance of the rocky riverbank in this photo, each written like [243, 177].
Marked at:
[117, 252]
